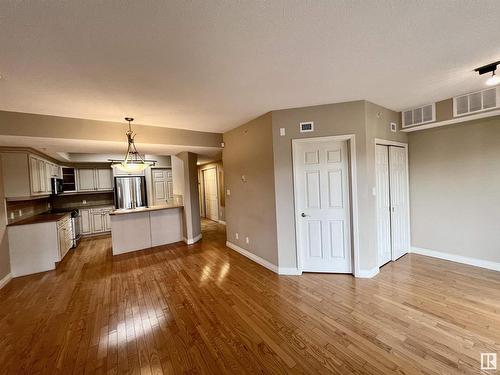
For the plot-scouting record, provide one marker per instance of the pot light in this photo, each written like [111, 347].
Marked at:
[493, 80]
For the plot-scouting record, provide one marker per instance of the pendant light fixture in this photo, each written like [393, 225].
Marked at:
[490, 68]
[133, 161]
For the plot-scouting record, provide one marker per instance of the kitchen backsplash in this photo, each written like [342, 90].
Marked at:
[83, 200]
[20, 210]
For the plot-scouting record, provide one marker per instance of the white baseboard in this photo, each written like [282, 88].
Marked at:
[253, 257]
[191, 241]
[457, 258]
[222, 222]
[5, 280]
[289, 271]
[367, 274]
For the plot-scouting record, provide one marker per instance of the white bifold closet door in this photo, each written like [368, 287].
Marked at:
[393, 237]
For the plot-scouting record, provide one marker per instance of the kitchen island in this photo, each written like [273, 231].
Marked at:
[145, 227]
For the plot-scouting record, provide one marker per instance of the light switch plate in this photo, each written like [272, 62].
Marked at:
[394, 127]
[237, 236]
[247, 240]
[228, 192]
[282, 132]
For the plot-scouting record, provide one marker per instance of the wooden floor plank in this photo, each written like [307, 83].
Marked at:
[206, 309]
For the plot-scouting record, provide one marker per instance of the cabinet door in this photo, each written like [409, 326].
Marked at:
[104, 178]
[85, 222]
[86, 179]
[34, 175]
[107, 221]
[42, 176]
[98, 224]
[48, 176]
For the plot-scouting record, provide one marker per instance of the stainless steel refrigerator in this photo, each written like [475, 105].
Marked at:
[130, 192]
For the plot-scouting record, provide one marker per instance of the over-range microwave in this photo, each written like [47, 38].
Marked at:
[57, 185]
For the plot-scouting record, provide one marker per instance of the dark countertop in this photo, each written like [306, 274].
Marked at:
[42, 218]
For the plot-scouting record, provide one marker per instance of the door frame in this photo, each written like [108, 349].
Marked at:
[385, 142]
[353, 191]
[205, 191]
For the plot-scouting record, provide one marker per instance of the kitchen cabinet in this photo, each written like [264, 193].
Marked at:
[85, 221]
[94, 179]
[64, 234]
[86, 179]
[38, 247]
[104, 177]
[95, 220]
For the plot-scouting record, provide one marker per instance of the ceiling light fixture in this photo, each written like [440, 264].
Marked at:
[133, 161]
[493, 80]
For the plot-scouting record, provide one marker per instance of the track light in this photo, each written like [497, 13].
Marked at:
[493, 80]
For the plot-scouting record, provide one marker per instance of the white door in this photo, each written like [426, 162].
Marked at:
[400, 237]
[393, 239]
[383, 204]
[322, 205]
[211, 198]
[162, 182]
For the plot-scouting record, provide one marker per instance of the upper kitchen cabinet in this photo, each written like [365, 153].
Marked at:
[94, 179]
[26, 175]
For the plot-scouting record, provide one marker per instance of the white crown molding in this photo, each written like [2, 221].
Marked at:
[5, 280]
[495, 266]
[191, 241]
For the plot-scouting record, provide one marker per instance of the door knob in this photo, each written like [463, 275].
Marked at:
[303, 214]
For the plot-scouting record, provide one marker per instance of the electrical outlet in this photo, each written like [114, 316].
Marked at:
[84, 201]
[12, 216]
[228, 192]
[20, 212]
[282, 132]
[247, 240]
[237, 236]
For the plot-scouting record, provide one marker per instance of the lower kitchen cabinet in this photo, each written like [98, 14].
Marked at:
[38, 247]
[95, 220]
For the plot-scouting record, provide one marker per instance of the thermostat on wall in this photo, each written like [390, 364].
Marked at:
[306, 127]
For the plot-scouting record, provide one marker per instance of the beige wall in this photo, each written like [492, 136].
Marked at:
[220, 187]
[250, 209]
[4, 244]
[455, 189]
[366, 121]
[249, 152]
[32, 125]
[192, 224]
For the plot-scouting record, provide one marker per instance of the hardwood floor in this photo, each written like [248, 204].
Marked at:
[206, 309]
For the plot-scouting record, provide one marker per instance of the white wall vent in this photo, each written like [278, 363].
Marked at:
[419, 116]
[474, 102]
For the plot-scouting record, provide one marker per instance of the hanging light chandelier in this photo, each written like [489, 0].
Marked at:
[133, 161]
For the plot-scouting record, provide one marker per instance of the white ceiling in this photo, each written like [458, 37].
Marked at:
[212, 65]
